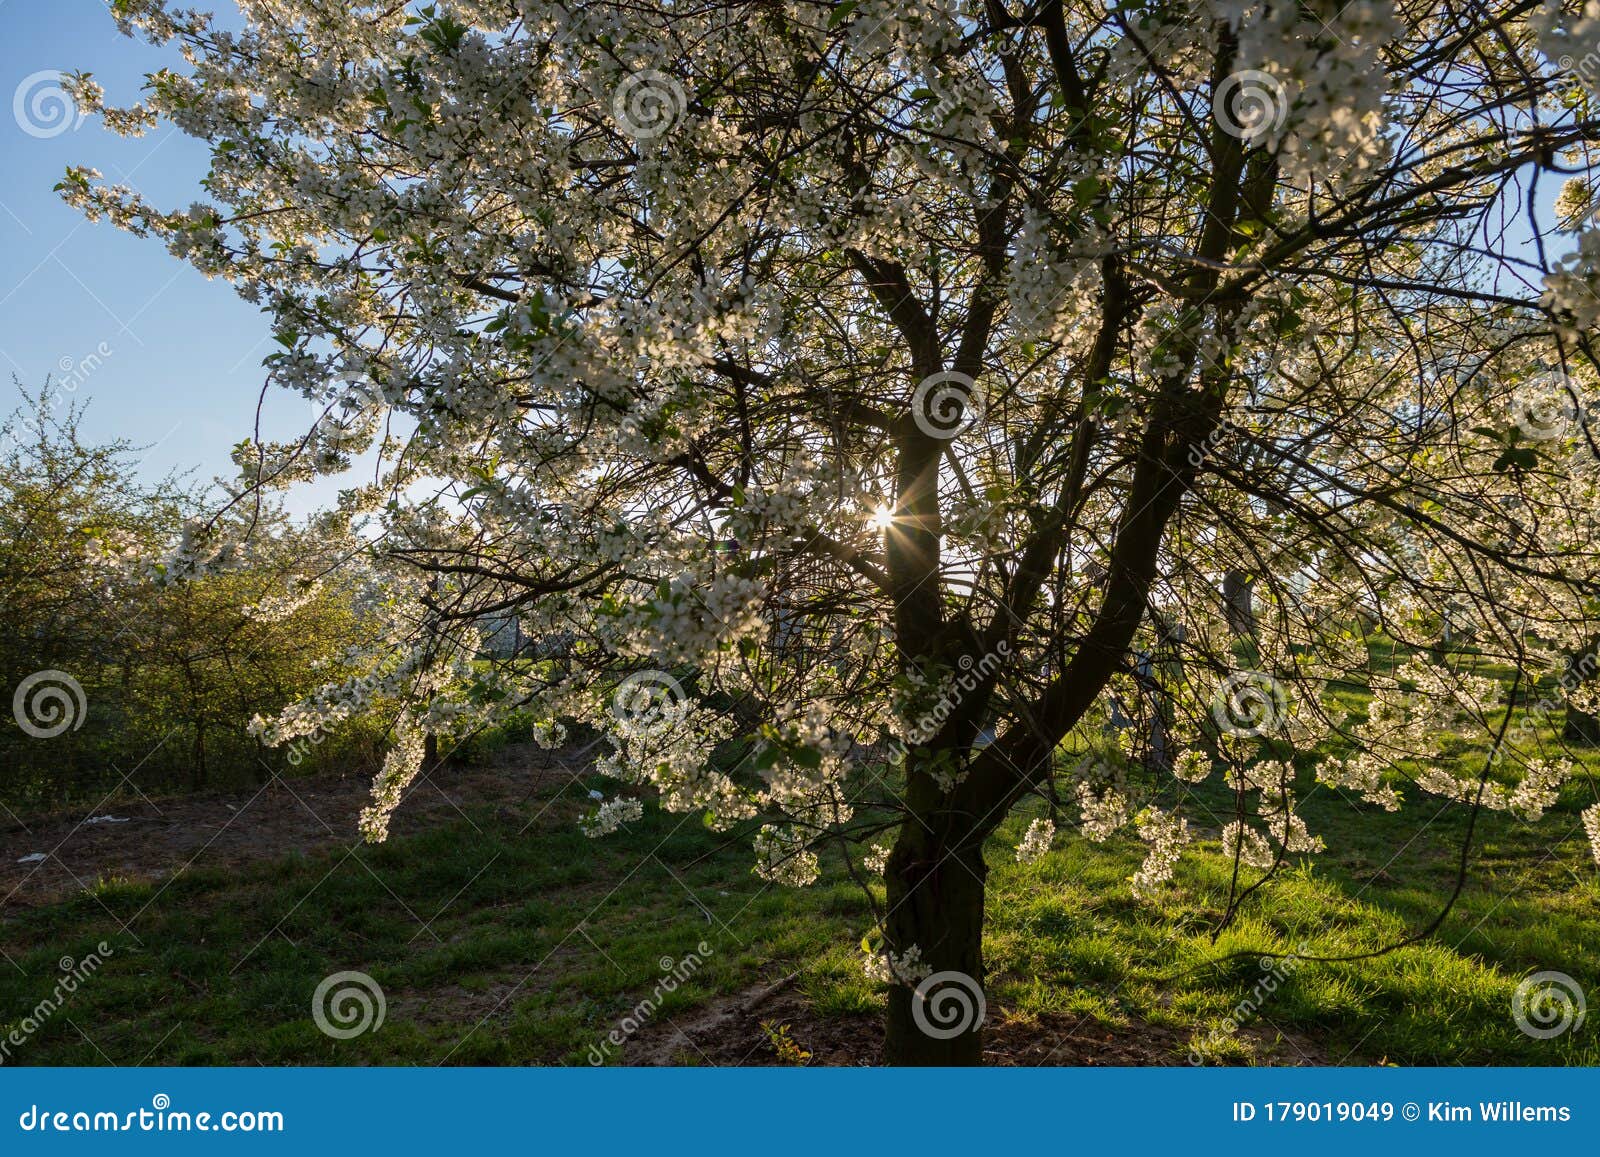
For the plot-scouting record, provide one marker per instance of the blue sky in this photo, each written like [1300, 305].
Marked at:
[178, 357]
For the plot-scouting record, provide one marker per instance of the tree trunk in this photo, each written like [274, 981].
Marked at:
[197, 757]
[935, 894]
[1580, 726]
[1239, 603]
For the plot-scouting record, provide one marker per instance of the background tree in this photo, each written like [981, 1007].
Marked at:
[130, 674]
[217, 650]
[861, 377]
[65, 506]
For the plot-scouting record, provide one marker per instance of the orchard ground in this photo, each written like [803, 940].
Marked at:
[500, 934]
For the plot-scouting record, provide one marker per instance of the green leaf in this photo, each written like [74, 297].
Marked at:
[1515, 459]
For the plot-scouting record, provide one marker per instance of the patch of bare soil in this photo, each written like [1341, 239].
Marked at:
[141, 839]
[456, 1005]
[729, 1031]
[148, 840]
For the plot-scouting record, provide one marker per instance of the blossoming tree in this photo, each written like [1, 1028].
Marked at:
[860, 397]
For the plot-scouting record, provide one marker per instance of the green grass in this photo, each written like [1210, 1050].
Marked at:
[537, 943]
[1067, 935]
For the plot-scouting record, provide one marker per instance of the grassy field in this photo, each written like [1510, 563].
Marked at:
[495, 945]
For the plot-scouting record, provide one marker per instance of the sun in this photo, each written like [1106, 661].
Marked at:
[883, 518]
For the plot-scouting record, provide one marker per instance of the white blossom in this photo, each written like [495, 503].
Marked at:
[611, 815]
[1036, 842]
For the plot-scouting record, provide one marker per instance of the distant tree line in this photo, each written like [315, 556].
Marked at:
[114, 677]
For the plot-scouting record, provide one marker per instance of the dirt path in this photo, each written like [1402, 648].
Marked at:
[150, 840]
[737, 1030]
[144, 839]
